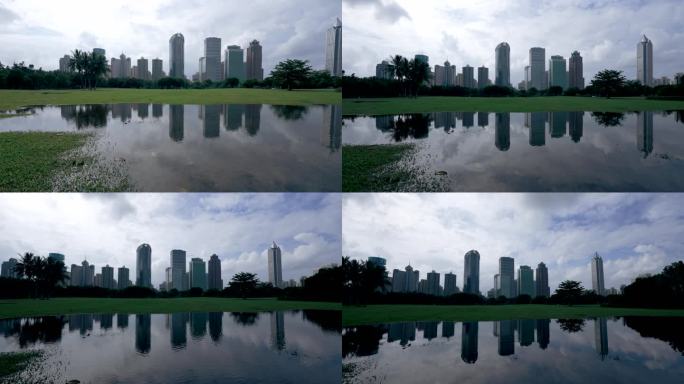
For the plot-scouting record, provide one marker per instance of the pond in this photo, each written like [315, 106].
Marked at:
[539, 151]
[598, 350]
[198, 347]
[207, 148]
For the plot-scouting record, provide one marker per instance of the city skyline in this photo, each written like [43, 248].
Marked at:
[408, 28]
[633, 233]
[39, 33]
[239, 228]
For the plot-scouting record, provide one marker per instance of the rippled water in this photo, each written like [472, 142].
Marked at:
[539, 151]
[198, 347]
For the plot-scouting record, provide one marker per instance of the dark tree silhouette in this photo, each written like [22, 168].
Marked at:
[608, 119]
[571, 325]
[361, 279]
[569, 292]
[291, 73]
[245, 283]
[608, 82]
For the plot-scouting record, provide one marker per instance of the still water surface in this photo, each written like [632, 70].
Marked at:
[207, 148]
[539, 151]
[627, 350]
[198, 347]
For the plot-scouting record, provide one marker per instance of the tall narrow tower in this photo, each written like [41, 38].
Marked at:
[471, 273]
[645, 61]
[597, 274]
[253, 68]
[275, 271]
[177, 56]
[143, 264]
[502, 66]
[333, 52]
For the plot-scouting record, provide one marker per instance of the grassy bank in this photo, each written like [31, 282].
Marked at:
[65, 306]
[506, 104]
[10, 99]
[374, 168]
[30, 160]
[374, 314]
[13, 362]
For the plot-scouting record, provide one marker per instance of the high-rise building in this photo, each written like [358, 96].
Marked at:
[422, 59]
[198, 273]
[97, 280]
[597, 281]
[64, 63]
[645, 61]
[502, 66]
[450, 284]
[254, 68]
[384, 70]
[469, 77]
[235, 63]
[85, 274]
[157, 69]
[7, 269]
[333, 49]
[100, 52]
[537, 68]
[178, 270]
[541, 281]
[143, 266]
[558, 73]
[142, 70]
[215, 280]
[526, 83]
[275, 270]
[108, 277]
[525, 281]
[433, 283]
[412, 279]
[506, 277]
[471, 273]
[76, 275]
[398, 280]
[482, 77]
[177, 56]
[576, 71]
[123, 278]
[56, 256]
[210, 64]
[120, 68]
[377, 261]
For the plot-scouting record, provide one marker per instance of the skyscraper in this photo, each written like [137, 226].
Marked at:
[143, 69]
[471, 273]
[502, 66]
[450, 284]
[198, 273]
[468, 77]
[275, 271]
[558, 73]
[143, 264]
[482, 77]
[235, 63]
[333, 49]
[645, 61]
[384, 70]
[525, 281]
[157, 69]
[123, 278]
[254, 69]
[100, 51]
[64, 63]
[597, 274]
[108, 277]
[422, 59]
[506, 276]
[121, 67]
[537, 68]
[576, 71]
[215, 280]
[210, 68]
[8, 269]
[541, 281]
[178, 270]
[177, 56]
[433, 283]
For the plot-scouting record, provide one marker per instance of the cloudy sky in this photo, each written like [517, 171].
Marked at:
[40, 32]
[605, 32]
[633, 233]
[239, 228]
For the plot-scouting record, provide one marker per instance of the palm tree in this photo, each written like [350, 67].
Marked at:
[96, 67]
[400, 68]
[52, 273]
[29, 267]
[418, 72]
[77, 64]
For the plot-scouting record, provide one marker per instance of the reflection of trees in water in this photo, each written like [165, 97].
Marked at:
[667, 329]
[86, 116]
[679, 116]
[363, 340]
[290, 112]
[608, 119]
[33, 330]
[571, 325]
[415, 126]
[245, 318]
[327, 320]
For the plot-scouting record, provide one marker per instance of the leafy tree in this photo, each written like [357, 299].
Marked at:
[290, 112]
[245, 283]
[571, 325]
[291, 73]
[400, 68]
[569, 292]
[555, 91]
[361, 280]
[608, 82]
[29, 266]
[230, 82]
[608, 119]
[417, 74]
[43, 273]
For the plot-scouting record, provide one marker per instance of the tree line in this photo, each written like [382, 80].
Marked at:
[44, 277]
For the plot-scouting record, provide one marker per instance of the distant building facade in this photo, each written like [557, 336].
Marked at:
[177, 56]
[275, 269]
[576, 71]
[143, 264]
[384, 70]
[471, 273]
[210, 64]
[254, 68]
[597, 281]
[235, 63]
[526, 281]
[542, 281]
[506, 277]
[157, 69]
[7, 269]
[333, 49]
[482, 77]
[645, 61]
[558, 73]
[123, 278]
[537, 68]
[198, 273]
[450, 286]
[215, 280]
[178, 270]
[502, 66]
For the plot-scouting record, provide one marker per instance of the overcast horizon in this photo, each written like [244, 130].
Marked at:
[605, 32]
[239, 228]
[633, 233]
[40, 33]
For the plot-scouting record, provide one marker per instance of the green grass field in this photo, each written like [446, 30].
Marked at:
[506, 104]
[64, 306]
[13, 362]
[30, 159]
[373, 168]
[10, 99]
[374, 314]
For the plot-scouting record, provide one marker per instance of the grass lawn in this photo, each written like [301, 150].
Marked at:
[64, 306]
[373, 314]
[29, 160]
[372, 168]
[10, 99]
[401, 105]
[13, 362]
